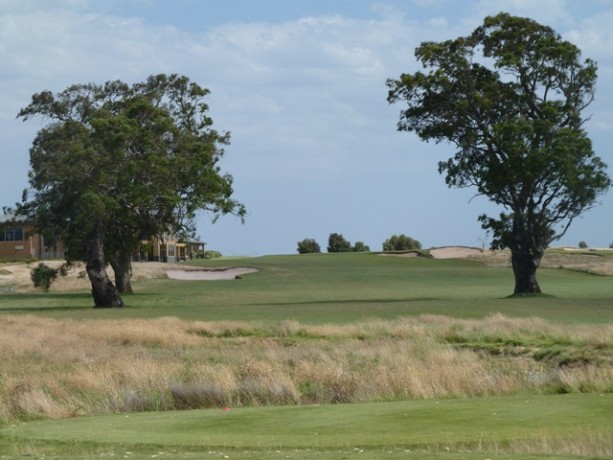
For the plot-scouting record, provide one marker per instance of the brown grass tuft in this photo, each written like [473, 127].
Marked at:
[61, 368]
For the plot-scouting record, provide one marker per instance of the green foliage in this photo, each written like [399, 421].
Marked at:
[43, 276]
[308, 246]
[360, 247]
[583, 245]
[510, 97]
[337, 243]
[401, 243]
[210, 254]
[117, 164]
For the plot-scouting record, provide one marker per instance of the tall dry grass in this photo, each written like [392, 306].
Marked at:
[63, 368]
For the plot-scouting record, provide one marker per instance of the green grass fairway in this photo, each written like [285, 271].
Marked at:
[445, 429]
[337, 288]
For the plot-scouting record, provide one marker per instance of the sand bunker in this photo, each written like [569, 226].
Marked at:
[455, 252]
[445, 252]
[209, 275]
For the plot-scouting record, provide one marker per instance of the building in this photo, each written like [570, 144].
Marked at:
[169, 250]
[19, 242]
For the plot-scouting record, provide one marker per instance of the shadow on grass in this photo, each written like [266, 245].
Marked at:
[43, 309]
[530, 295]
[349, 301]
[60, 301]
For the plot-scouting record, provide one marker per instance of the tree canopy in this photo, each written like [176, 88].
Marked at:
[510, 96]
[401, 243]
[308, 246]
[117, 164]
[338, 243]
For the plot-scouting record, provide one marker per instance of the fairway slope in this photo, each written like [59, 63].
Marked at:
[564, 425]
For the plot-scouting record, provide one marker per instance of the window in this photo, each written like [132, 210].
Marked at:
[12, 234]
[171, 250]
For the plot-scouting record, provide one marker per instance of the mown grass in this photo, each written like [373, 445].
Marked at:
[336, 288]
[564, 427]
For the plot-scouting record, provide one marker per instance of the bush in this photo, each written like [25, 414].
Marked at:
[308, 246]
[360, 247]
[212, 254]
[401, 243]
[44, 276]
[583, 245]
[337, 243]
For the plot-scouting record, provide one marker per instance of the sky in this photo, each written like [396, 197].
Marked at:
[300, 85]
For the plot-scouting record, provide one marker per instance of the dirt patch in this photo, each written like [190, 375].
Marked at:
[16, 277]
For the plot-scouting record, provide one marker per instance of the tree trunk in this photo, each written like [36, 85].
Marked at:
[122, 266]
[104, 292]
[525, 264]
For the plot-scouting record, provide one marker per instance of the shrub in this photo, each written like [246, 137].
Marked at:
[43, 276]
[308, 246]
[337, 243]
[583, 245]
[360, 247]
[401, 243]
[212, 254]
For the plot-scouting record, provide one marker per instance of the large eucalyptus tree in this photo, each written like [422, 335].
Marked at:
[116, 164]
[510, 96]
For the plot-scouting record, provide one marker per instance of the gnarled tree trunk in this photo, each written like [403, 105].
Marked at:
[122, 266]
[104, 292]
[527, 249]
[525, 264]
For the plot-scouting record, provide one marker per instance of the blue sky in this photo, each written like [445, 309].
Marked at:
[300, 84]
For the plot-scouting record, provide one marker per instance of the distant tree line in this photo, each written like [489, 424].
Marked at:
[338, 243]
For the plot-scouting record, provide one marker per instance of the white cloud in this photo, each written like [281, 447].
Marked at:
[305, 99]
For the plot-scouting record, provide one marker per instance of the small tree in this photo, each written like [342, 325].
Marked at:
[583, 245]
[360, 247]
[401, 243]
[337, 243]
[308, 246]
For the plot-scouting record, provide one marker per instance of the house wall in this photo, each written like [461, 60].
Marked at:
[16, 242]
[23, 244]
[165, 251]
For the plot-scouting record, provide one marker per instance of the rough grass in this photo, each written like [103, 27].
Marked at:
[63, 368]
